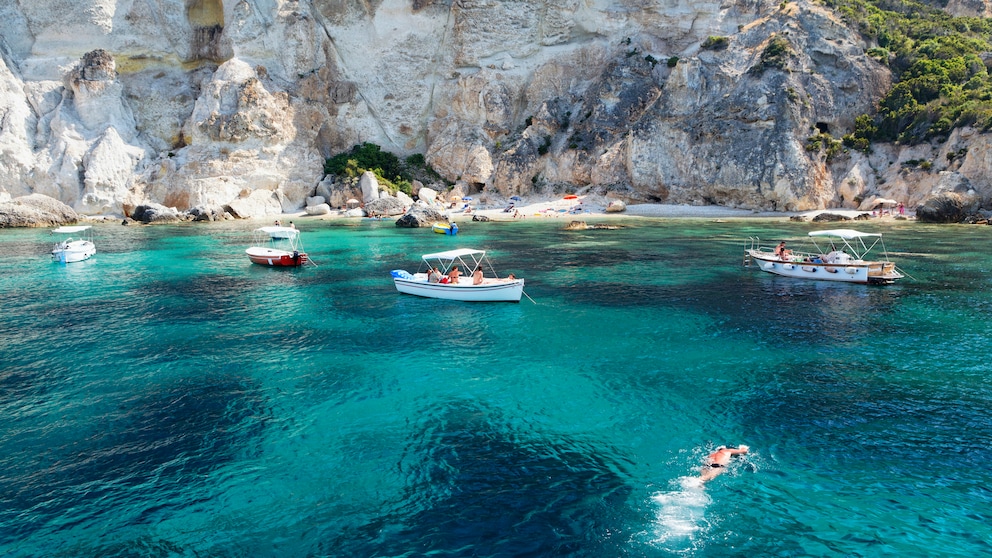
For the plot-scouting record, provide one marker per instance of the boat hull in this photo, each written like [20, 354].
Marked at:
[444, 228]
[275, 258]
[74, 251]
[863, 272]
[493, 290]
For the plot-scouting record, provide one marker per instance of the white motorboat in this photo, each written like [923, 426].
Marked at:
[843, 257]
[277, 246]
[71, 249]
[491, 289]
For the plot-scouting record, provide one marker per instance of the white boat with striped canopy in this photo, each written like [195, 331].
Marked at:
[842, 255]
[492, 288]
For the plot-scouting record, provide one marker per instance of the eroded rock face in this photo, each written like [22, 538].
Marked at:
[191, 103]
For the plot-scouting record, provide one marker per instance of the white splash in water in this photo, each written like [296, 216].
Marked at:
[681, 513]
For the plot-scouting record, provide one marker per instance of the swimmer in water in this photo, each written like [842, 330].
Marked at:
[716, 463]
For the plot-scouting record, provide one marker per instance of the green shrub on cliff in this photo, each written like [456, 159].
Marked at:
[387, 167]
[941, 81]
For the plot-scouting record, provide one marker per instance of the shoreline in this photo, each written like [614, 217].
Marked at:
[578, 210]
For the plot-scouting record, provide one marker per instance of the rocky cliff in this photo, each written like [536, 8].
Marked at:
[106, 104]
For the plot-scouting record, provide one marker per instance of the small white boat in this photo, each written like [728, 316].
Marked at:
[492, 288]
[844, 259]
[277, 246]
[72, 249]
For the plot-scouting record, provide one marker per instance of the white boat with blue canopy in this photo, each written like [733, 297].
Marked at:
[426, 283]
[841, 255]
[71, 249]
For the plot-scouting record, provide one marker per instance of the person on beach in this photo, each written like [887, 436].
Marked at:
[716, 462]
[477, 276]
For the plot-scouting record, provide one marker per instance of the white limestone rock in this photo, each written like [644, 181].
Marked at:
[255, 203]
[208, 100]
[318, 209]
[370, 187]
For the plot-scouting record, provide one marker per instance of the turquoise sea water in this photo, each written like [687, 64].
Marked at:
[168, 398]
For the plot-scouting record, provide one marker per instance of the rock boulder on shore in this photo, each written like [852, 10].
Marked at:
[155, 213]
[947, 207]
[420, 215]
[36, 210]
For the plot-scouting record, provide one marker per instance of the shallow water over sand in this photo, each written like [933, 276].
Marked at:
[166, 397]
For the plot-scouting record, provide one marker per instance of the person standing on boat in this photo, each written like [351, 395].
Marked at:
[716, 463]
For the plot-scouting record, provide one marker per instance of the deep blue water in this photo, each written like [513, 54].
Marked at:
[168, 398]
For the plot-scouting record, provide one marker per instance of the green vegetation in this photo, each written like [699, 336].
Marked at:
[673, 61]
[715, 43]
[387, 167]
[941, 80]
[775, 55]
[824, 143]
[545, 146]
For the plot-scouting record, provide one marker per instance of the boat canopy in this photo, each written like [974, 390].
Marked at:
[846, 234]
[71, 230]
[454, 254]
[276, 231]
[470, 258]
[857, 242]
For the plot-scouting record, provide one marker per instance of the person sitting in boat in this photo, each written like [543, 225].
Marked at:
[511, 277]
[782, 252]
[453, 275]
[434, 276]
[477, 276]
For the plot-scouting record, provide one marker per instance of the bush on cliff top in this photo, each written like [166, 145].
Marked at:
[941, 80]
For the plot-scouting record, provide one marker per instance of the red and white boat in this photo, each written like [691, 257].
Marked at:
[277, 246]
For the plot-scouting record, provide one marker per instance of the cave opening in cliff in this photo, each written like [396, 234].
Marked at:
[206, 19]
[823, 127]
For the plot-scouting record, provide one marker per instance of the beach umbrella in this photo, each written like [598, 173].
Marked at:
[885, 201]
[352, 203]
[455, 198]
[467, 198]
[515, 198]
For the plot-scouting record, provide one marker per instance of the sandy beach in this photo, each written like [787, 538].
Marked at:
[590, 207]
